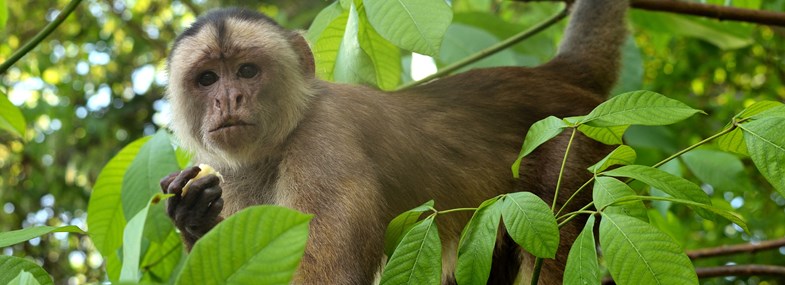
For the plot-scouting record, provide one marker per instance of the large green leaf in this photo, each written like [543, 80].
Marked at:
[622, 155]
[531, 224]
[352, 64]
[385, 57]
[401, 224]
[607, 135]
[582, 267]
[415, 25]
[766, 144]
[758, 108]
[11, 118]
[728, 215]
[163, 258]
[462, 41]
[133, 241]
[638, 253]
[539, 133]
[638, 108]
[105, 218]
[418, 259]
[155, 160]
[11, 266]
[258, 245]
[17, 236]
[322, 21]
[608, 190]
[673, 185]
[475, 250]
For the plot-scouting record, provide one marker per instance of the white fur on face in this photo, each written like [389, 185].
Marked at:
[287, 87]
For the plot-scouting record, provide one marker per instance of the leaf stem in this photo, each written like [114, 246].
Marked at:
[536, 272]
[675, 155]
[40, 36]
[490, 50]
[570, 217]
[574, 194]
[456, 210]
[561, 170]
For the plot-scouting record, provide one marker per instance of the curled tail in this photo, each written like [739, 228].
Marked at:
[590, 53]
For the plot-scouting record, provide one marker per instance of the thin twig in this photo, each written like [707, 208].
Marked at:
[740, 270]
[40, 36]
[734, 249]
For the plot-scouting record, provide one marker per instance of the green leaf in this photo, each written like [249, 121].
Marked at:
[721, 170]
[418, 260]
[415, 25]
[11, 118]
[622, 155]
[462, 41]
[638, 253]
[733, 142]
[777, 111]
[322, 21]
[258, 245]
[3, 14]
[725, 35]
[24, 278]
[606, 135]
[608, 190]
[17, 236]
[475, 250]
[540, 132]
[730, 216]
[132, 241]
[327, 46]
[352, 64]
[672, 185]
[582, 267]
[531, 224]
[385, 57]
[402, 224]
[11, 266]
[154, 161]
[105, 217]
[638, 108]
[163, 258]
[757, 108]
[766, 143]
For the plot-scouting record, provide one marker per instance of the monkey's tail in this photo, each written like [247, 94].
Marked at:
[591, 49]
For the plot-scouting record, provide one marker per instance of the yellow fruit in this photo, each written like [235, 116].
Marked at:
[205, 170]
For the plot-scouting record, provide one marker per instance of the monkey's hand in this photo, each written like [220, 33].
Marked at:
[198, 211]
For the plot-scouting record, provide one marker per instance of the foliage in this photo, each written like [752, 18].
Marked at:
[95, 85]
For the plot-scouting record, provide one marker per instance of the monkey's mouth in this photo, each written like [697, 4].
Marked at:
[232, 123]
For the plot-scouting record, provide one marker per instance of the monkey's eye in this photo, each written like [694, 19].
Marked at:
[248, 70]
[207, 78]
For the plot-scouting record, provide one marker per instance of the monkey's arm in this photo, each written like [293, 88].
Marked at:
[197, 212]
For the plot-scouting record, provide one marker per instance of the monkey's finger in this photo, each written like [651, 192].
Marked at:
[176, 187]
[209, 196]
[197, 189]
[168, 180]
[214, 209]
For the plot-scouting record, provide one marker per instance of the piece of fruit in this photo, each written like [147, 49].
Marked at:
[205, 170]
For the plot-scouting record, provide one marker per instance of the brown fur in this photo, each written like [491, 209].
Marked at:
[356, 157]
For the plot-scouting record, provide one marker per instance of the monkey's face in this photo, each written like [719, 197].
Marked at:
[235, 86]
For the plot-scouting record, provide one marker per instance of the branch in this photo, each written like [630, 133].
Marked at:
[40, 36]
[704, 10]
[734, 249]
[740, 270]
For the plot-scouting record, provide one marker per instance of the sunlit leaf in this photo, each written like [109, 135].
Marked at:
[673, 185]
[11, 118]
[327, 46]
[17, 236]
[728, 215]
[322, 21]
[352, 64]
[475, 250]
[733, 142]
[3, 14]
[402, 224]
[622, 155]
[608, 190]
[638, 108]
[638, 253]
[418, 259]
[766, 143]
[415, 25]
[607, 135]
[155, 160]
[757, 108]
[11, 266]
[385, 57]
[531, 224]
[258, 245]
[540, 132]
[105, 218]
[24, 278]
[582, 267]
[132, 241]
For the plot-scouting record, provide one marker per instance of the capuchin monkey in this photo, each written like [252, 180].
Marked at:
[245, 100]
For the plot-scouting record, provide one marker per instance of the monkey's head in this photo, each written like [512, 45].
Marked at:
[238, 85]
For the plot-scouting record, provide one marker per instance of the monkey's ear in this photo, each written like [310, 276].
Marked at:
[304, 52]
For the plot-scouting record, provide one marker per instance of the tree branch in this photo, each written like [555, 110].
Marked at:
[48, 29]
[704, 10]
[740, 270]
[734, 249]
